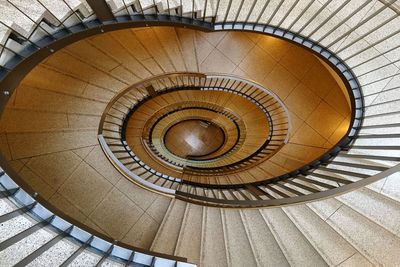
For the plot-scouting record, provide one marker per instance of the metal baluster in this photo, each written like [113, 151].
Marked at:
[130, 260]
[274, 13]
[59, 21]
[105, 256]
[16, 238]
[334, 13]
[238, 12]
[193, 9]
[14, 213]
[141, 7]
[169, 10]
[314, 16]
[31, 257]
[366, 34]
[362, 22]
[227, 11]
[287, 13]
[343, 21]
[8, 192]
[301, 14]
[261, 13]
[374, 57]
[216, 11]
[205, 10]
[315, 182]
[381, 79]
[74, 255]
[302, 186]
[250, 11]
[19, 36]
[34, 22]
[126, 7]
[73, 12]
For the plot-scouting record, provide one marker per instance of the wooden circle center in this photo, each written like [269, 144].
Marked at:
[194, 138]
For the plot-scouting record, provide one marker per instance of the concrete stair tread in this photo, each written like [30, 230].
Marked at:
[374, 206]
[213, 251]
[239, 249]
[189, 242]
[298, 251]
[167, 235]
[330, 245]
[266, 249]
[363, 234]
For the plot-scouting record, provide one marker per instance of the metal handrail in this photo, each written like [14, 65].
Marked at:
[271, 137]
[22, 65]
[208, 82]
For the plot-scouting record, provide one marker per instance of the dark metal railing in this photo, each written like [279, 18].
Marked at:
[278, 120]
[20, 52]
[121, 107]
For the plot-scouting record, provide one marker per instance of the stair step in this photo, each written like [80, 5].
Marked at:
[239, 249]
[375, 207]
[18, 251]
[389, 187]
[14, 226]
[265, 247]
[295, 246]
[87, 256]
[356, 260]
[55, 255]
[365, 235]
[189, 241]
[213, 252]
[6, 206]
[167, 235]
[330, 245]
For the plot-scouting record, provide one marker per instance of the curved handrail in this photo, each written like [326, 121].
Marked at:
[269, 117]
[261, 88]
[14, 71]
[130, 175]
[205, 82]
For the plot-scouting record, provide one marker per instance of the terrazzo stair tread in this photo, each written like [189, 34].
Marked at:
[61, 10]
[356, 260]
[266, 249]
[85, 258]
[110, 262]
[148, 3]
[389, 187]
[57, 12]
[22, 25]
[189, 7]
[55, 255]
[167, 235]
[117, 5]
[18, 251]
[14, 226]
[172, 5]
[4, 32]
[330, 245]
[297, 249]
[239, 249]
[189, 240]
[363, 234]
[6, 206]
[375, 207]
[213, 251]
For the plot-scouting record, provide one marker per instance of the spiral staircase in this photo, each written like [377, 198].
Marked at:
[92, 91]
